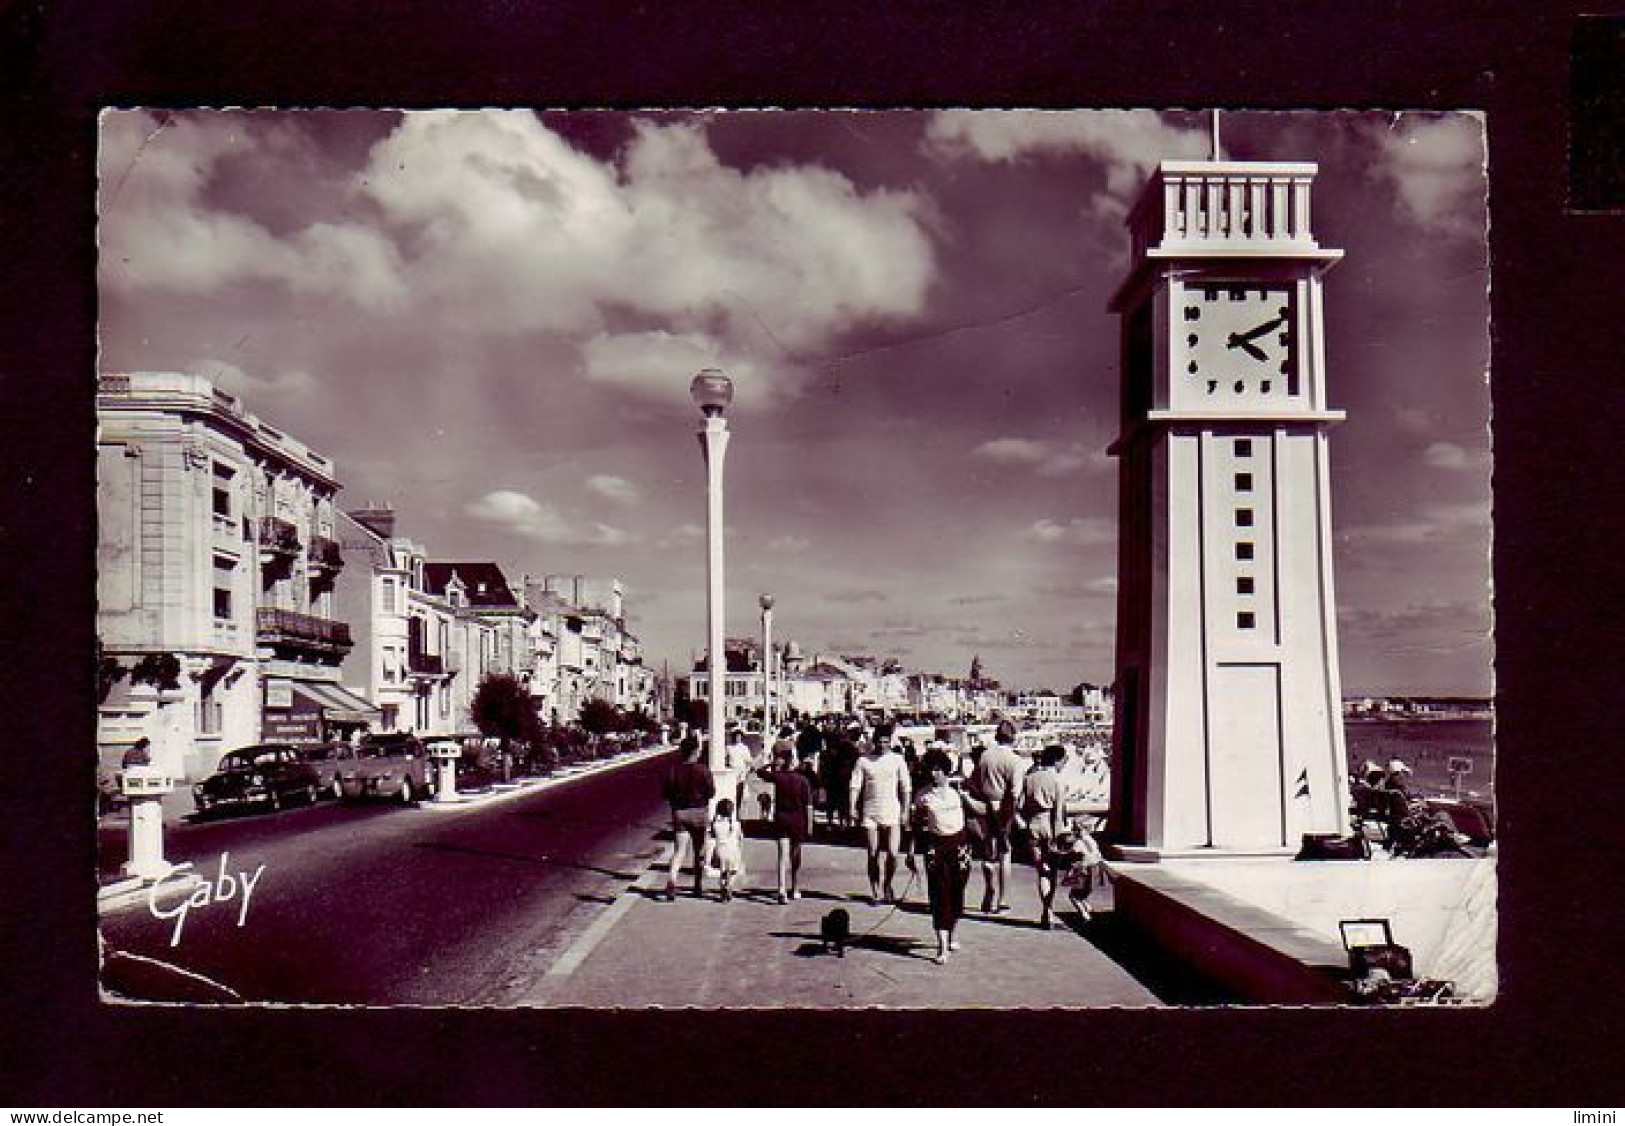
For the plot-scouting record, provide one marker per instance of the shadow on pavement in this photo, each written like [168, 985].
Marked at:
[813, 945]
[1170, 980]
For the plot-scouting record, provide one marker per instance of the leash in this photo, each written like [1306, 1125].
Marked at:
[913, 878]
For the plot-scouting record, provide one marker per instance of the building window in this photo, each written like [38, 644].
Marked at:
[223, 475]
[1244, 447]
[1244, 584]
[1244, 619]
[209, 712]
[1244, 550]
[1244, 518]
[222, 603]
[389, 716]
[1244, 482]
[390, 596]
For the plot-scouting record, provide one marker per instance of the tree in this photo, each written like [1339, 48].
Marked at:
[161, 670]
[600, 717]
[976, 670]
[501, 709]
[695, 713]
[108, 673]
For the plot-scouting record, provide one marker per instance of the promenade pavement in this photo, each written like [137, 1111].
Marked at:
[753, 952]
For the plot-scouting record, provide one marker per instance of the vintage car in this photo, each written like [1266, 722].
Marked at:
[333, 762]
[393, 765]
[271, 774]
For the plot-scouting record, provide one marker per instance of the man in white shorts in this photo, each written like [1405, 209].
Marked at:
[880, 793]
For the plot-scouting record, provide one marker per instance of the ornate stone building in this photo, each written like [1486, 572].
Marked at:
[216, 549]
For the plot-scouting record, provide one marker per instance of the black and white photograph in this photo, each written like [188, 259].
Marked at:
[794, 559]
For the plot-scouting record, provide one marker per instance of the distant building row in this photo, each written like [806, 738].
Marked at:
[236, 602]
[831, 684]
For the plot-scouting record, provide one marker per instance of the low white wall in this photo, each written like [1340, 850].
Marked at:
[1444, 911]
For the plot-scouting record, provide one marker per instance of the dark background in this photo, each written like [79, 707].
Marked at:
[1559, 336]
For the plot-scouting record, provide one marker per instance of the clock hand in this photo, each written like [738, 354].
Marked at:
[1245, 343]
[1267, 326]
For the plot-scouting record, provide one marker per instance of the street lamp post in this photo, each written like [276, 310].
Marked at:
[767, 669]
[712, 392]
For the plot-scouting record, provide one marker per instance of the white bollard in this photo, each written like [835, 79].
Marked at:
[445, 758]
[145, 787]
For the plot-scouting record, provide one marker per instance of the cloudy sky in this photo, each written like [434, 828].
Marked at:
[490, 321]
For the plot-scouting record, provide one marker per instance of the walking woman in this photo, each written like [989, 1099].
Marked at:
[792, 816]
[1040, 812]
[939, 817]
[689, 790]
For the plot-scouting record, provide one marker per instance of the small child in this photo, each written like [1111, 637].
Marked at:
[1077, 858]
[727, 847]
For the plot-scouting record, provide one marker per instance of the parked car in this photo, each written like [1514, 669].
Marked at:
[477, 769]
[270, 774]
[109, 794]
[333, 762]
[391, 765]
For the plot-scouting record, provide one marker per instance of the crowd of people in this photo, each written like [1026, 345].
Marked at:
[925, 806]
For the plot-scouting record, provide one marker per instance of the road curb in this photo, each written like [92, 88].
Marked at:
[477, 801]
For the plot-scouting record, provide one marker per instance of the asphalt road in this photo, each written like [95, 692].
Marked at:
[388, 905]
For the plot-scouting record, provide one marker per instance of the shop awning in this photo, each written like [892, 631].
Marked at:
[336, 703]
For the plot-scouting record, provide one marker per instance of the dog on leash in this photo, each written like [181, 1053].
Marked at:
[836, 931]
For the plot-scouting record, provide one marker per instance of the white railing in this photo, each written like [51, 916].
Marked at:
[1207, 206]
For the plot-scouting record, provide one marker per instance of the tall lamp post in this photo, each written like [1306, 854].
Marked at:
[712, 392]
[767, 669]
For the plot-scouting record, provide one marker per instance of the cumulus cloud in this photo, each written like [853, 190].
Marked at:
[1435, 165]
[1078, 531]
[157, 232]
[654, 263]
[525, 516]
[612, 488]
[517, 229]
[1127, 143]
[1047, 459]
[255, 387]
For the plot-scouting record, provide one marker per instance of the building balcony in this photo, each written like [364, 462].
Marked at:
[279, 542]
[425, 664]
[290, 630]
[324, 557]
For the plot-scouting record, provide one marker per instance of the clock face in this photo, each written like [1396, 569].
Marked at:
[1240, 339]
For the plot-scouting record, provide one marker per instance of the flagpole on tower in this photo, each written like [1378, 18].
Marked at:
[1217, 152]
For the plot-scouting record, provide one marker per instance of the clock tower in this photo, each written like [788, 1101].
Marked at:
[1229, 734]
